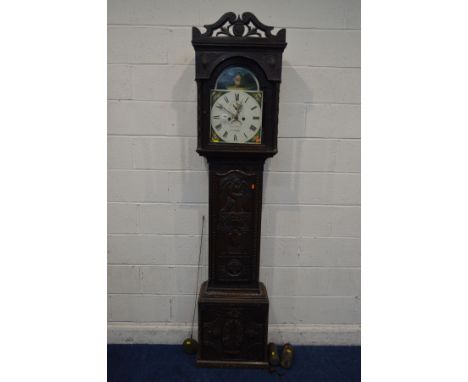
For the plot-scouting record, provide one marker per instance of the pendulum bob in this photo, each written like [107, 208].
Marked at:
[190, 346]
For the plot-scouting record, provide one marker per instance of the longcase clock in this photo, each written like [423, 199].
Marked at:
[238, 73]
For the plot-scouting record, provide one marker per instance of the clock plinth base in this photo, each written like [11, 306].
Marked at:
[233, 328]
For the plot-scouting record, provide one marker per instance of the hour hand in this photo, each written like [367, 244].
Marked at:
[238, 108]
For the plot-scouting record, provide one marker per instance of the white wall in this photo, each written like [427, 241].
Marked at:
[158, 185]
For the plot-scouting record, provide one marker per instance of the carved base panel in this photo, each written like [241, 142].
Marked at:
[233, 328]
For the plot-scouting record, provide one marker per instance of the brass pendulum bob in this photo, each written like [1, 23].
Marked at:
[190, 346]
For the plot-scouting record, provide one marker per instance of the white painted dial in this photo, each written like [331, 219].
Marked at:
[236, 117]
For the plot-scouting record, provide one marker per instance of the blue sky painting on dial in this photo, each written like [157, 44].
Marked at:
[236, 77]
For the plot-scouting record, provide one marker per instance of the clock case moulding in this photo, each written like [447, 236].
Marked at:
[233, 303]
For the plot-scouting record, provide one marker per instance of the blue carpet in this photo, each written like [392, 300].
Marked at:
[154, 363]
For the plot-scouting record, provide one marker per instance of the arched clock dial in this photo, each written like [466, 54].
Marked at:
[236, 117]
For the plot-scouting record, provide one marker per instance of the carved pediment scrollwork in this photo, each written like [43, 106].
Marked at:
[239, 26]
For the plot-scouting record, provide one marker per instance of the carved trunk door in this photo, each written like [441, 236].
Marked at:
[235, 209]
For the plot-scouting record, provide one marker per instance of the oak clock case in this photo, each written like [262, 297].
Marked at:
[238, 74]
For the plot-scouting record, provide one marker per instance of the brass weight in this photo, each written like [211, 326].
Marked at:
[273, 356]
[287, 356]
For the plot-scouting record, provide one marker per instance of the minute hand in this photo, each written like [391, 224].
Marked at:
[230, 112]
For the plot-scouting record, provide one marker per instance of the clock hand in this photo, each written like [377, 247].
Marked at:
[228, 111]
[237, 106]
